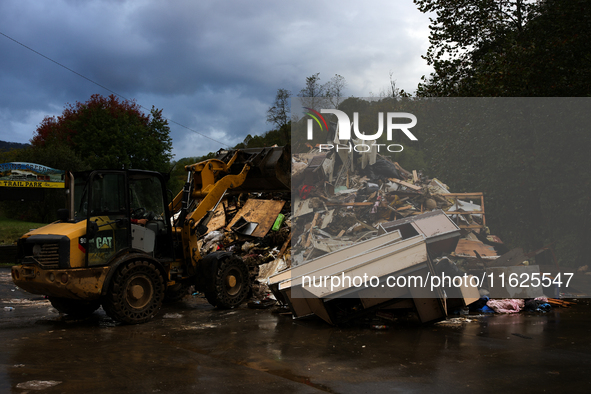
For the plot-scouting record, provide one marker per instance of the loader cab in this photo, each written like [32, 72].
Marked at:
[124, 210]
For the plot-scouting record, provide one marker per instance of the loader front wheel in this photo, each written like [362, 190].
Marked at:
[231, 284]
[76, 308]
[135, 293]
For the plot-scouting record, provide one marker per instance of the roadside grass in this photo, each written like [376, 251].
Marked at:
[11, 229]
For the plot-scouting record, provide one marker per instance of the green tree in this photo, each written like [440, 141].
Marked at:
[459, 35]
[110, 133]
[515, 48]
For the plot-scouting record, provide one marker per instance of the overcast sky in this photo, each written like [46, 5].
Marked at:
[213, 66]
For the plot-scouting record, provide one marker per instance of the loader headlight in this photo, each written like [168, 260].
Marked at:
[37, 250]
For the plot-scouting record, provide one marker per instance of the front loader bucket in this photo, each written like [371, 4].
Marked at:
[270, 168]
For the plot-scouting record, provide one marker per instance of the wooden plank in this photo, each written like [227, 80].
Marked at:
[309, 240]
[555, 301]
[400, 169]
[470, 225]
[406, 184]
[469, 294]
[284, 247]
[482, 207]
[367, 226]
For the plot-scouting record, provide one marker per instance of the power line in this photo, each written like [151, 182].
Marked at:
[107, 89]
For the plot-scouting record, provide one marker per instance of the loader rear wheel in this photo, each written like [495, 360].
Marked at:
[135, 293]
[76, 308]
[231, 284]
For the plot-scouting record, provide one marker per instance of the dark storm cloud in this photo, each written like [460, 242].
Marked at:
[213, 66]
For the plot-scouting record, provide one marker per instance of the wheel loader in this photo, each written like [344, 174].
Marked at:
[126, 244]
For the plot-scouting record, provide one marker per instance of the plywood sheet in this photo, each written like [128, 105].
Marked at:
[262, 212]
[218, 220]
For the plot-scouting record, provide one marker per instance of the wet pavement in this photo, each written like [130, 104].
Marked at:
[192, 347]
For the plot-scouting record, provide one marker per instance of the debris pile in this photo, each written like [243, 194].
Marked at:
[357, 213]
[337, 203]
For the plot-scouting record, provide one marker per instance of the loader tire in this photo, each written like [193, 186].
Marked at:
[135, 293]
[231, 284]
[76, 308]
